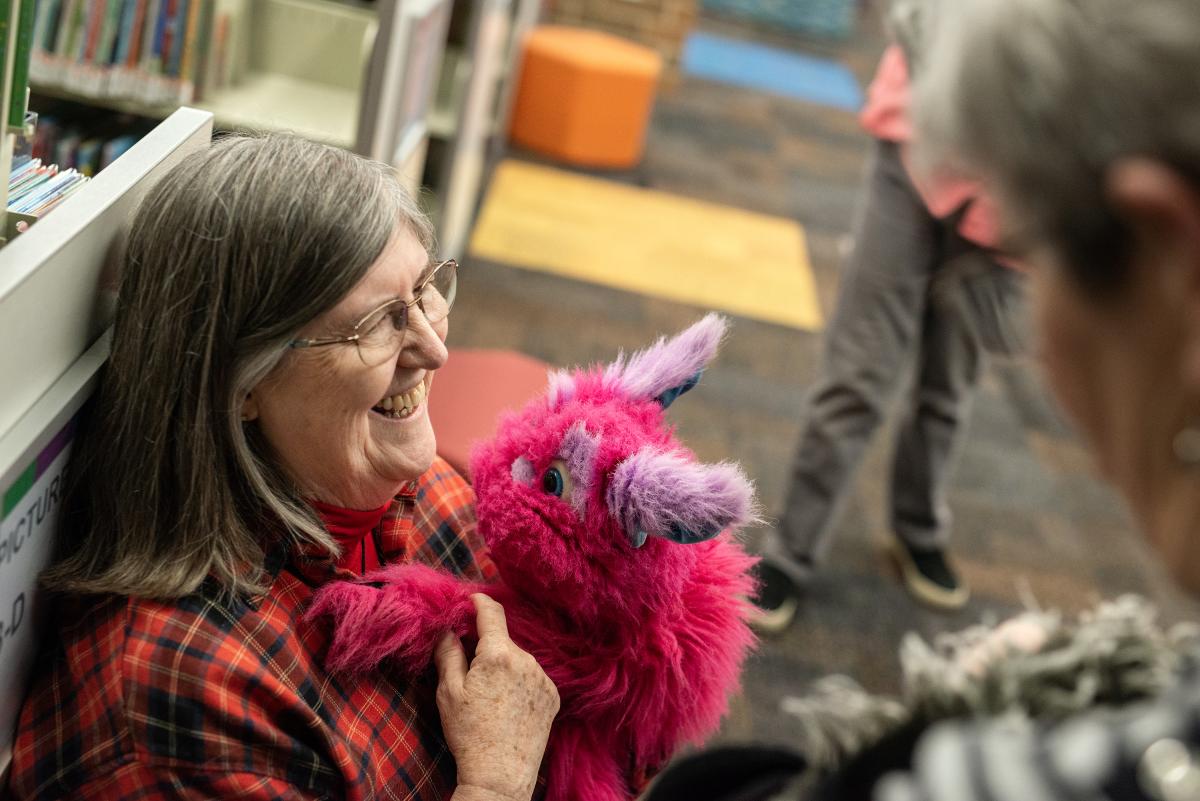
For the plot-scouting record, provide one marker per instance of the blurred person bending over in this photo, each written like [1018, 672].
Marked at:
[922, 286]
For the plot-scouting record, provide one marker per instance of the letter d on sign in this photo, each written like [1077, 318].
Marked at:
[18, 614]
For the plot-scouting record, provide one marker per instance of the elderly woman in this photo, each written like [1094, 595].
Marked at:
[262, 429]
[1082, 118]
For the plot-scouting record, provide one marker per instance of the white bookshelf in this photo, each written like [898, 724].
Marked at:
[342, 73]
[273, 102]
[306, 65]
[299, 67]
[55, 308]
[474, 112]
[452, 85]
[49, 276]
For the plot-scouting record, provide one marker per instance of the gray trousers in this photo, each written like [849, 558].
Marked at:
[913, 294]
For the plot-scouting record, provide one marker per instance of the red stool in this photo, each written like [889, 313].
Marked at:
[471, 390]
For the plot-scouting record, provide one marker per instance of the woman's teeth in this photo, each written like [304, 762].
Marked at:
[402, 405]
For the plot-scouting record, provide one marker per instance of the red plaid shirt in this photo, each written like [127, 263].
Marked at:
[199, 698]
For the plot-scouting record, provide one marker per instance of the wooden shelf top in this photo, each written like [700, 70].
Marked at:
[272, 102]
[261, 102]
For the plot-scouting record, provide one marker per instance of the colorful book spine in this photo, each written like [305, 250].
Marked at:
[155, 52]
[45, 15]
[203, 53]
[109, 29]
[97, 10]
[187, 63]
[115, 148]
[167, 34]
[5, 16]
[150, 34]
[68, 27]
[139, 23]
[34, 200]
[78, 32]
[178, 40]
[123, 35]
[53, 23]
[135, 34]
[20, 81]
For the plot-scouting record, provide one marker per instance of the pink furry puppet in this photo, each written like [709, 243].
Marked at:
[619, 572]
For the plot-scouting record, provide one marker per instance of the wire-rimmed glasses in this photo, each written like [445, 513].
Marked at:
[380, 334]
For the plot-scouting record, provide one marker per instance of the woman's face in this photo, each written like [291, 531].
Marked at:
[1119, 365]
[320, 409]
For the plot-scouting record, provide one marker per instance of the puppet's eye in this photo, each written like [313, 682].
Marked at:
[556, 480]
[552, 482]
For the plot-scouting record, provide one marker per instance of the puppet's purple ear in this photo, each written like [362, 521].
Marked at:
[656, 493]
[560, 388]
[669, 367]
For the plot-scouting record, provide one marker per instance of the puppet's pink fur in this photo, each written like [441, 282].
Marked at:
[644, 644]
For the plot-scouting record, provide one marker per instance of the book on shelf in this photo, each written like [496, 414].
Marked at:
[147, 52]
[20, 80]
[36, 189]
[81, 138]
[166, 41]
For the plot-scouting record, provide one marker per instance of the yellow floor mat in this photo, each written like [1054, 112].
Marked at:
[648, 242]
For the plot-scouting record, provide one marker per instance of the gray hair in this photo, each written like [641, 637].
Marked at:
[1115, 654]
[230, 255]
[908, 23]
[1040, 97]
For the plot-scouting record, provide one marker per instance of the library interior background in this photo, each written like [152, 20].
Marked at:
[606, 172]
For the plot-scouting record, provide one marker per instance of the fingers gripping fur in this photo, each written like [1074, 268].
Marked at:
[401, 621]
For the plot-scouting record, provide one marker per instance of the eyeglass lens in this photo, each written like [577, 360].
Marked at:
[382, 335]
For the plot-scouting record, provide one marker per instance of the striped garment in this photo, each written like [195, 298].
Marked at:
[199, 698]
[1144, 752]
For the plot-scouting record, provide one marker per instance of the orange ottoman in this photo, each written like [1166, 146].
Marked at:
[584, 97]
[471, 389]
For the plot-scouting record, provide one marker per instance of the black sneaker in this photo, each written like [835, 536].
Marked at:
[929, 577]
[775, 600]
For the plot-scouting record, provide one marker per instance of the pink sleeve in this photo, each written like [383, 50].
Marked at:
[885, 115]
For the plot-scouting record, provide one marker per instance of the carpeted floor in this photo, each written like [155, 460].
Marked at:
[1029, 517]
[771, 70]
[670, 246]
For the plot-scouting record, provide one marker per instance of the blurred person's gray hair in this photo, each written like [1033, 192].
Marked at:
[908, 23]
[229, 256]
[1113, 655]
[1039, 97]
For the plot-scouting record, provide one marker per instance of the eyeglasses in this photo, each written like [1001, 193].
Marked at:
[380, 335]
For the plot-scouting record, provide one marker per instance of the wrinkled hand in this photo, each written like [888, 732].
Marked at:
[496, 714]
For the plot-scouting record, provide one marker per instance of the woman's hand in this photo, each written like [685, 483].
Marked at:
[496, 714]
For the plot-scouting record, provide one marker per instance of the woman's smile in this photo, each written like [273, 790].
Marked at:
[404, 404]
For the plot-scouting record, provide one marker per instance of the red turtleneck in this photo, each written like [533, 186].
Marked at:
[352, 528]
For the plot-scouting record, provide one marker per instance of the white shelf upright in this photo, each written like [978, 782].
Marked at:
[56, 283]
